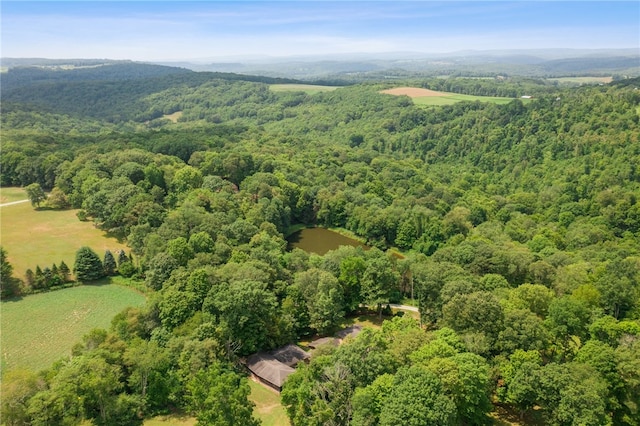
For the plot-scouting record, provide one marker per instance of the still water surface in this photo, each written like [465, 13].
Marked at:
[320, 240]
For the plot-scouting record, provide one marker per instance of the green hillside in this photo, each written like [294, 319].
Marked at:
[518, 223]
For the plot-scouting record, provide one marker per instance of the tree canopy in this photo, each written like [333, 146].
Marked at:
[518, 225]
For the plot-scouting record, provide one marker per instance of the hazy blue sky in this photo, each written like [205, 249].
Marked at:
[164, 30]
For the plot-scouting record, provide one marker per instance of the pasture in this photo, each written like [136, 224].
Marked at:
[44, 237]
[426, 97]
[309, 89]
[41, 328]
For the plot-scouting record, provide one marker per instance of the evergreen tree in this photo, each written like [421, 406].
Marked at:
[9, 286]
[109, 264]
[30, 278]
[87, 266]
[126, 268]
[47, 275]
[39, 278]
[122, 257]
[64, 271]
[56, 278]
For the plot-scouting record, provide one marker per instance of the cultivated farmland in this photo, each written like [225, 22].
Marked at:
[428, 97]
[41, 328]
[44, 237]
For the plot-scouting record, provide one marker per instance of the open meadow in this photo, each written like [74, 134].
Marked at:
[426, 97]
[12, 194]
[309, 89]
[43, 237]
[41, 328]
[582, 80]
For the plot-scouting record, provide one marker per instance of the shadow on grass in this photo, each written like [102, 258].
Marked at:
[102, 282]
[365, 318]
[119, 238]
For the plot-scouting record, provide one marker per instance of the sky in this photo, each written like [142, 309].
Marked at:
[205, 30]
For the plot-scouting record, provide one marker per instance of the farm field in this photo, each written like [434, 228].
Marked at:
[426, 97]
[43, 237]
[41, 328]
[307, 88]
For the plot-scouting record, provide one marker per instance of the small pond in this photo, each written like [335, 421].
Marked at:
[320, 240]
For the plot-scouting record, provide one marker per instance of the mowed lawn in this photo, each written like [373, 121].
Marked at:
[307, 88]
[43, 237]
[8, 195]
[268, 407]
[41, 328]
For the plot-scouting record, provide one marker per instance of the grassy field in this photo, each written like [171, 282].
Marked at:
[307, 88]
[268, 407]
[173, 117]
[41, 328]
[452, 98]
[8, 195]
[43, 237]
[582, 80]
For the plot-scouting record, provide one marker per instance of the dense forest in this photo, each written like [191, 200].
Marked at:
[519, 225]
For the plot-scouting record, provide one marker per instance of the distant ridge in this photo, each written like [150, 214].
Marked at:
[530, 62]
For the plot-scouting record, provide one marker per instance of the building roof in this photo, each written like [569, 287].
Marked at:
[289, 355]
[269, 369]
[352, 331]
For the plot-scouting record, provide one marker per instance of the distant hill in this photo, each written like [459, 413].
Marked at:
[27, 72]
[530, 63]
[114, 91]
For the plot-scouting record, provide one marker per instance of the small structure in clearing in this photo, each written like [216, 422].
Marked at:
[272, 368]
[290, 355]
[269, 370]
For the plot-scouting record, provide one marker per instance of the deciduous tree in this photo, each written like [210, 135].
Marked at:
[219, 397]
[36, 194]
